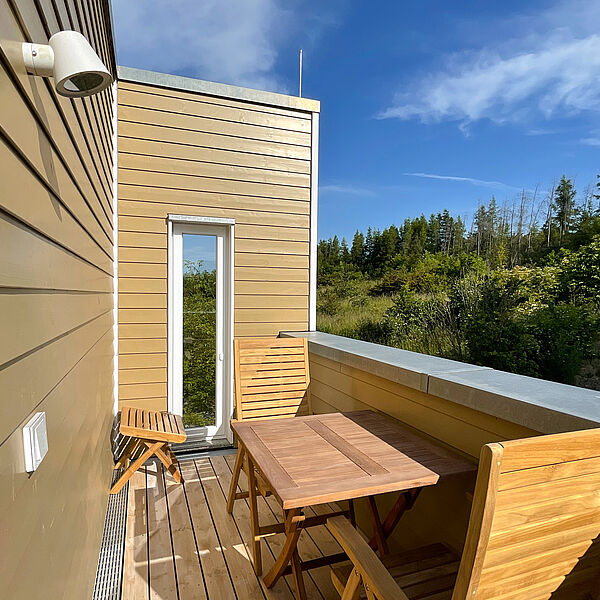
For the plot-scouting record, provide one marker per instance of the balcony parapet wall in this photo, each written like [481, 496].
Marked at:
[537, 404]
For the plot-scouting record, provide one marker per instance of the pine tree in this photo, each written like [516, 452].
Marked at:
[564, 204]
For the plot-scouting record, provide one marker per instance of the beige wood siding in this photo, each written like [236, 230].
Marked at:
[189, 153]
[56, 252]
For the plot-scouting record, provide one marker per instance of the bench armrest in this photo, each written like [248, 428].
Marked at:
[375, 577]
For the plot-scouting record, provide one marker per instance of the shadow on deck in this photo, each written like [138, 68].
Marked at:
[181, 544]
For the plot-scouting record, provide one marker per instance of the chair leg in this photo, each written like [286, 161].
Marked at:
[235, 477]
[254, 518]
[129, 449]
[135, 465]
[170, 465]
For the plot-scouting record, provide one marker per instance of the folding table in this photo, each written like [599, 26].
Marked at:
[333, 457]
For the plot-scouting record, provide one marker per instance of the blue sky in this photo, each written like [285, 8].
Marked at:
[425, 105]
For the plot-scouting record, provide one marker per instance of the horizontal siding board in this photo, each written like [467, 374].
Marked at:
[177, 166]
[267, 329]
[195, 201]
[27, 199]
[163, 181]
[144, 270]
[159, 403]
[30, 320]
[292, 261]
[269, 274]
[30, 139]
[136, 239]
[142, 390]
[197, 124]
[263, 301]
[141, 361]
[142, 346]
[143, 315]
[211, 140]
[129, 376]
[29, 260]
[196, 107]
[269, 315]
[142, 331]
[279, 288]
[143, 286]
[158, 223]
[135, 300]
[272, 246]
[199, 97]
[50, 363]
[194, 152]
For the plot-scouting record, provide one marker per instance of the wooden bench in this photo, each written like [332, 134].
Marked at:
[149, 433]
[271, 382]
[533, 532]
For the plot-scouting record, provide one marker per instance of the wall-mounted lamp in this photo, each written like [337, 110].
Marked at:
[69, 58]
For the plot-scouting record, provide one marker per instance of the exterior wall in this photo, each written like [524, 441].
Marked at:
[442, 511]
[56, 248]
[185, 152]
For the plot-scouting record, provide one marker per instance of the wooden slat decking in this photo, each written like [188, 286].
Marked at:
[181, 544]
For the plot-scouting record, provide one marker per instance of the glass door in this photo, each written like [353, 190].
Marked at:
[199, 315]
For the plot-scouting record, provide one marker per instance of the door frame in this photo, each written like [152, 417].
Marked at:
[207, 226]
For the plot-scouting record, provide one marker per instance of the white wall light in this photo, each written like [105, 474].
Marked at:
[69, 58]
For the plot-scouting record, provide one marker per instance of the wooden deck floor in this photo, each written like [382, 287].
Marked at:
[182, 545]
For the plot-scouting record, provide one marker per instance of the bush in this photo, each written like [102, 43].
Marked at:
[565, 336]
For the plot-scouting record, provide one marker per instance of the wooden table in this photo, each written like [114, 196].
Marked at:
[329, 458]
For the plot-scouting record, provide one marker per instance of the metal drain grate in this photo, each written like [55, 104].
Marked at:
[109, 576]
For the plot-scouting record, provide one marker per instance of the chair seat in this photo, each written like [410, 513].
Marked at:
[426, 573]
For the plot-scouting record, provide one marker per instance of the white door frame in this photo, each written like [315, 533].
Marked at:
[223, 229]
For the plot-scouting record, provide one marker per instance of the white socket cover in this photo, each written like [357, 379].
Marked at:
[35, 441]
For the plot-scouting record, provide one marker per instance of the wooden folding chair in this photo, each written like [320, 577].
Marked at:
[149, 433]
[272, 381]
[533, 533]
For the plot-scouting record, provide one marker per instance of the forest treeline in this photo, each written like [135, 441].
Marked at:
[516, 289]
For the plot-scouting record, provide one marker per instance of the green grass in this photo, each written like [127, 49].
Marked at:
[343, 316]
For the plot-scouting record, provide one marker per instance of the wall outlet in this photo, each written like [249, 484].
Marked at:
[35, 441]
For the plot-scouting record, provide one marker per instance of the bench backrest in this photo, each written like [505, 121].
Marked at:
[535, 521]
[271, 378]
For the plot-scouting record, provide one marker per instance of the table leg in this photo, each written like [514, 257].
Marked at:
[235, 476]
[255, 527]
[293, 518]
[378, 533]
[297, 575]
[405, 502]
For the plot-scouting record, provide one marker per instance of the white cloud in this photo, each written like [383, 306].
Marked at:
[232, 41]
[346, 189]
[590, 141]
[544, 72]
[471, 180]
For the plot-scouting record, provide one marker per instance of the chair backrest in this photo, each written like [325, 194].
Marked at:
[271, 378]
[535, 521]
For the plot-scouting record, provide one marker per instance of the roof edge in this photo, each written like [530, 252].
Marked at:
[221, 90]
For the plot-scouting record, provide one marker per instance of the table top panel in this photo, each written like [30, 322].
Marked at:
[337, 456]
